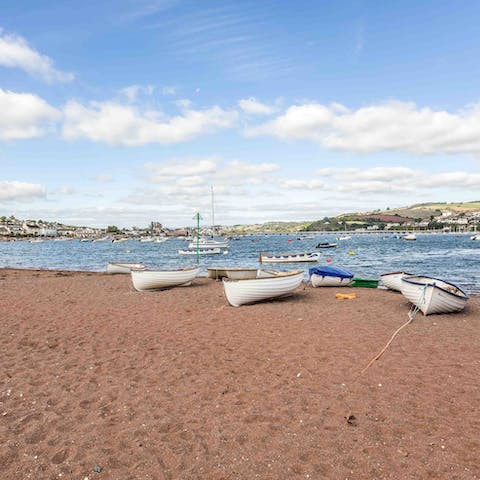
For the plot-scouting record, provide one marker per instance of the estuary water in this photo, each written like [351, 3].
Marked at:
[452, 257]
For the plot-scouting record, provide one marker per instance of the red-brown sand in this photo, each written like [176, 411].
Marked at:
[178, 385]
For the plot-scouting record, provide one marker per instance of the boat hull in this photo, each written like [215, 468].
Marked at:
[432, 295]
[329, 281]
[216, 273]
[241, 292]
[393, 280]
[158, 279]
[201, 251]
[123, 267]
[289, 258]
[241, 273]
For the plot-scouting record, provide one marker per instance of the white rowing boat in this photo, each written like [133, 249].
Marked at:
[289, 257]
[393, 280]
[234, 273]
[330, 277]
[159, 279]
[263, 287]
[123, 267]
[432, 295]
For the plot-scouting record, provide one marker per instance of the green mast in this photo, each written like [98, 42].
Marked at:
[197, 217]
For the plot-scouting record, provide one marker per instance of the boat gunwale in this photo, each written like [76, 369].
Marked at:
[145, 270]
[277, 275]
[396, 273]
[412, 282]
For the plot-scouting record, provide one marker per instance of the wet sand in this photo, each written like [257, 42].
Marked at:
[99, 381]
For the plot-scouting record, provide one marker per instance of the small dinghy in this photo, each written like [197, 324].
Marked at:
[158, 279]
[264, 286]
[124, 267]
[241, 273]
[327, 245]
[393, 280]
[432, 295]
[410, 236]
[330, 277]
[289, 257]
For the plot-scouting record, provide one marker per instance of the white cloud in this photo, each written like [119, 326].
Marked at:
[15, 52]
[161, 172]
[169, 90]
[24, 115]
[118, 124]
[132, 92]
[103, 178]
[11, 191]
[254, 107]
[390, 126]
[381, 180]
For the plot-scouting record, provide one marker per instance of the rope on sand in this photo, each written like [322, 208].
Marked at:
[411, 316]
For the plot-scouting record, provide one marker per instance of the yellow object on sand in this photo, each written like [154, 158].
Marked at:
[351, 253]
[346, 296]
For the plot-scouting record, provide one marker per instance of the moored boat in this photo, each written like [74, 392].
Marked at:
[289, 257]
[205, 243]
[263, 287]
[475, 237]
[326, 245]
[158, 279]
[393, 280]
[410, 236]
[330, 276]
[123, 267]
[432, 295]
[201, 251]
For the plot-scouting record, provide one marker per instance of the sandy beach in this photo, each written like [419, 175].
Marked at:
[99, 381]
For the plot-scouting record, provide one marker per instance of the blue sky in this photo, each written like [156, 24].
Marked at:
[123, 112]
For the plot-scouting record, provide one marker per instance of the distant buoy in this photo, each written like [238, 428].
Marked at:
[289, 240]
[351, 253]
[329, 259]
[128, 251]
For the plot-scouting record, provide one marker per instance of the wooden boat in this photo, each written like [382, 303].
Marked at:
[432, 295]
[158, 279]
[263, 287]
[393, 280]
[123, 267]
[289, 257]
[326, 245]
[201, 251]
[216, 272]
[410, 236]
[330, 277]
[234, 273]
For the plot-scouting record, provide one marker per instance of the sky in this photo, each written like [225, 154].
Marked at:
[124, 112]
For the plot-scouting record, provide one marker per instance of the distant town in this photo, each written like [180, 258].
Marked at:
[445, 217]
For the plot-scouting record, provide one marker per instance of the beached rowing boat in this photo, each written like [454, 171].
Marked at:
[432, 295]
[123, 267]
[263, 287]
[235, 273]
[330, 276]
[157, 279]
[393, 280]
[289, 257]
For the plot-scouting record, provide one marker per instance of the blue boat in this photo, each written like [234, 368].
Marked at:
[330, 276]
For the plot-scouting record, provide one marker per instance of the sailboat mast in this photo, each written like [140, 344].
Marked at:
[213, 214]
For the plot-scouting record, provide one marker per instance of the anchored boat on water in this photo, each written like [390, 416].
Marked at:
[289, 257]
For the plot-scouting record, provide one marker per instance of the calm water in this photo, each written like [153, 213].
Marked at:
[455, 258]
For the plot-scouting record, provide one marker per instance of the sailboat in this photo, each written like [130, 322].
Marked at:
[208, 243]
